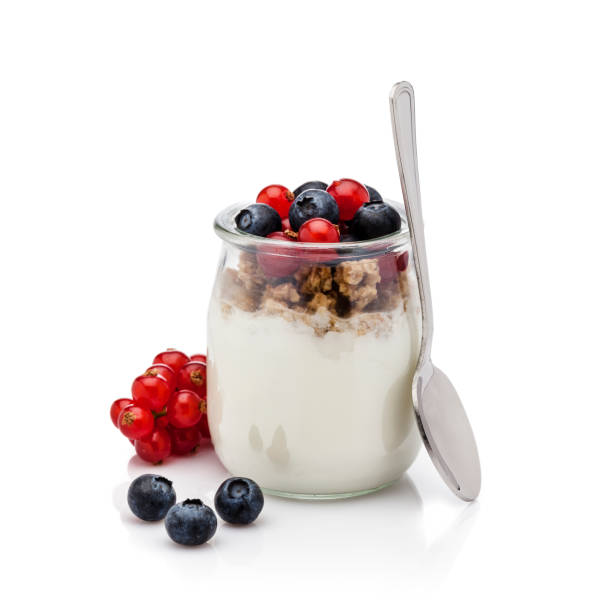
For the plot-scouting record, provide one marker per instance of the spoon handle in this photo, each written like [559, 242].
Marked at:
[401, 100]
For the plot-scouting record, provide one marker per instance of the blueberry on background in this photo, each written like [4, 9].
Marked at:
[374, 195]
[375, 220]
[310, 204]
[259, 219]
[150, 497]
[239, 500]
[309, 185]
[191, 523]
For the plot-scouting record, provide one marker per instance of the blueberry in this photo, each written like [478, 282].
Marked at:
[259, 219]
[310, 185]
[348, 238]
[191, 523]
[374, 195]
[375, 220]
[310, 204]
[150, 497]
[239, 500]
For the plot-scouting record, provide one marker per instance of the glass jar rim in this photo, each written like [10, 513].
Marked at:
[225, 228]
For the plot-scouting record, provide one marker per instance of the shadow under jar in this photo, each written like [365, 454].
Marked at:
[311, 353]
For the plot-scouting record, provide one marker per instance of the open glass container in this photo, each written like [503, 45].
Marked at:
[311, 355]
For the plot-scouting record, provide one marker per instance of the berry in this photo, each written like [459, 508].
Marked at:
[374, 195]
[348, 238]
[173, 358]
[375, 220]
[310, 185]
[163, 370]
[161, 421]
[184, 440]
[191, 523]
[239, 500]
[151, 390]
[192, 377]
[185, 409]
[155, 447]
[318, 230]
[278, 197]
[402, 261]
[150, 497]
[277, 261]
[349, 195]
[203, 426]
[198, 357]
[286, 224]
[135, 422]
[259, 220]
[116, 407]
[310, 204]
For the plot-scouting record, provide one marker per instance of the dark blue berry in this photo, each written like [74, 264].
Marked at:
[375, 220]
[310, 185]
[150, 497]
[239, 500]
[347, 238]
[310, 204]
[191, 522]
[374, 195]
[259, 219]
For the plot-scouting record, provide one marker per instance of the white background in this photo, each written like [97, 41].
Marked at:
[125, 126]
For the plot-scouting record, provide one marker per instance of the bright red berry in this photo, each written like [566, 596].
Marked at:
[161, 422]
[318, 230]
[135, 422]
[155, 447]
[165, 371]
[173, 358]
[198, 357]
[185, 409]
[116, 407]
[151, 391]
[349, 196]
[192, 377]
[278, 197]
[286, 224]
[184, 440]
[277, 261]
[203, 425]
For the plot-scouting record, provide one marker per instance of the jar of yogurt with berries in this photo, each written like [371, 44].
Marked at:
[314, 331]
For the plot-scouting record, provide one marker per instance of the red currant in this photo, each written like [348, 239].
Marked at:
[165, 371]
[203, 425]
[155, 447]
[318, 230]
[136, 422]
[278, 197]
[198, 357]
[151, 391]
[184, 440]
[286, 224]
[277, 261]
[192, 377]
[116, 407]
[161, 422]
[185, 409]
[173, 358]
[349, 196]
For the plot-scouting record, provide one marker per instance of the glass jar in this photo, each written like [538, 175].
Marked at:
[311, 354]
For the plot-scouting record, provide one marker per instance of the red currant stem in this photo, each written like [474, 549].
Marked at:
[161, 413]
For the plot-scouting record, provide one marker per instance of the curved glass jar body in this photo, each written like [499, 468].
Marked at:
[311, 354]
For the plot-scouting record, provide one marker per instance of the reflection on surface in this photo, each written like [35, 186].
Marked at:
[383, 532]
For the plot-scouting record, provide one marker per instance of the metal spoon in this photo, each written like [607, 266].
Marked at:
[443, 424]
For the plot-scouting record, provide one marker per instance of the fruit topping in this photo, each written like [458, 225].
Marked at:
[192, 376]
[150, 497]
[185, 409]
[375, 220]
[277, 261]
[310, 204]
[191, 523]
[278, 197]
[310, 185]
[172, 358]
[239, 500]
[374, 195]
[318, 230]
[259, 220]
[135, 422]
[349, 196]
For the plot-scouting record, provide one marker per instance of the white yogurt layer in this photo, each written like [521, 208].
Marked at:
[309, 414]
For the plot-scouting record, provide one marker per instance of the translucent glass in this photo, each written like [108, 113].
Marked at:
[311, 354]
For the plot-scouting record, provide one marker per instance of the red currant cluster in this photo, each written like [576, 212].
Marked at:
[167, 411]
